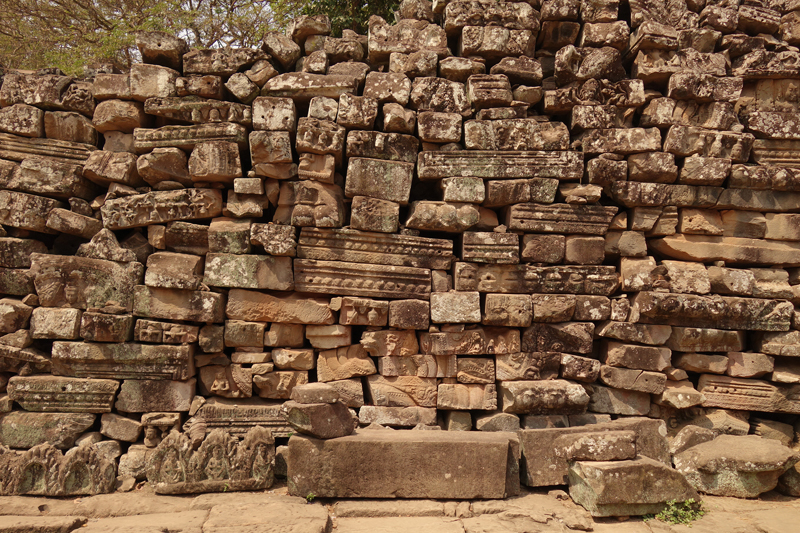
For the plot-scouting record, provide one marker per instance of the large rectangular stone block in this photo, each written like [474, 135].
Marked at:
[174, 304]
[56, 394]
[524, 279]
[354, 279]
[375, 248]
[560, 218]
[721, 312]
[296, 308]
[249, 271]
[158, 207]
[562, 165]
[84, 282]
[123, 360]
[400, 464]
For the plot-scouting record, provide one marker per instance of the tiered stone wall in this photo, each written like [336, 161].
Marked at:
[490, 215]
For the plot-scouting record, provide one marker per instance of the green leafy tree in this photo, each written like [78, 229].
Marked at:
[71, 33]
[344, 14]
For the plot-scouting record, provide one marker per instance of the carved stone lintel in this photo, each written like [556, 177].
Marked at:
[563, 165]
[375, 248]
[44, 471]
[336, 277]
[220, 464]
[560, 218]
[198, 110]
[748, 394]
[597, 280]
[57, 394]
[186, 137]
[161, 206]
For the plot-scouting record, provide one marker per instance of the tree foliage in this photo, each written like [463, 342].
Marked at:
[71, 33]
[344, 14]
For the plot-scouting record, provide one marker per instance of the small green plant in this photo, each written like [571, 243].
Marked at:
[680, 512]
[310, 497]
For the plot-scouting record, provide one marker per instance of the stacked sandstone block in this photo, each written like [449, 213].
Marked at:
[489, 215]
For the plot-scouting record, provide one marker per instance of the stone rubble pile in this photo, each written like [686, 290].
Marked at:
[540, 217]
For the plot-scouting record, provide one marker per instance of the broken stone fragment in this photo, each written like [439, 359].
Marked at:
[625, 488]
[539, 397]
[23, 120]
[327, 420]
[25, 430]
[738, 466]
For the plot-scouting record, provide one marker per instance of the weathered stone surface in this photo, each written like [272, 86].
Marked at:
[220, 463]
[170, 304]
[406, 37]
[397, 416]
[747, 394]
[199, 110]
[123, 361]
[458, 396]
[705, 340]
[470, 342]
[237, 416]
[598, 280]
[635, 380]
[377, 454]
[443, 216]
[83, 470]
[560, 218]
[82, 282]
[623, 488]
[158, 207]
[320, 420]
[23, 430]
[302, 86]
[249, 272]
[571, 337]
[619, 402]
[563, 165]
[539, 397]
[17, 148]
[333, 277]
[144, 396]
[53, 323]
[738, 466]
[187, 137]
[343, 363]
[385, 180]
[711, 311]
[26, 211]
[292, 309]
[547, 452]
[402, 391]
[278, 385]
[57, 394]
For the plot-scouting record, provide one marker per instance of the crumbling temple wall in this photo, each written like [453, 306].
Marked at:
[485, 216]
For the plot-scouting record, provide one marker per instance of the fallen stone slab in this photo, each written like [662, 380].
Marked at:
[375, 464]
[268, 517]
[399, 525]
[738, 466]
[176, 522]
[41, 524]
[387, 508]
[623, 488]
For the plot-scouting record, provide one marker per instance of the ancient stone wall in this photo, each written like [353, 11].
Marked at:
[487, 216]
